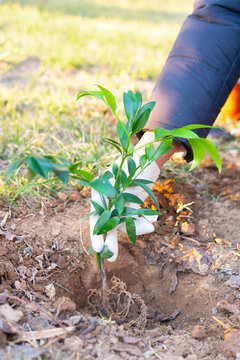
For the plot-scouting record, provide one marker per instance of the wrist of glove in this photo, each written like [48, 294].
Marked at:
[144, 225]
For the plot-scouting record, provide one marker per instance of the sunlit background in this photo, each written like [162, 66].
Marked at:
[50, 50]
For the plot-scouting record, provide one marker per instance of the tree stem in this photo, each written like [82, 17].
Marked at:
[104, 284]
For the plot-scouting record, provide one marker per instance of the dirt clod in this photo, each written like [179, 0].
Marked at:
[199, 332]
[64, 304]
[75, 196]
[62, 196]
[86, 192]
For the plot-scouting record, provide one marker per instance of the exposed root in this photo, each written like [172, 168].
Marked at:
[122, 304]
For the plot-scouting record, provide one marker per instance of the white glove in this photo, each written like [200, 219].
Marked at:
[143, 224]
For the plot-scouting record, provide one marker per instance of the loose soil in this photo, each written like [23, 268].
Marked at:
[174, 295]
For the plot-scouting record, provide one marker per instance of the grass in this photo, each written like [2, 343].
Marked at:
[120, 44]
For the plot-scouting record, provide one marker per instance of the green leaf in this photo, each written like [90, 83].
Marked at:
[103, 218]
[130, 149]
[40, 166]
[141, 121]
[123, 178]
[131, 229]
[160, 133]
[128, 106]
[119, 205]
[148, 106]
[103, 186]
[81, 173]
[150, 151]
[163, 148]
[61, 172]
[123, 136]
[115, 144]
[110, 99]
[212, 151]
[109, 225]
[131, 165]
[179, 132]
[132, 198]
[115, 169]
[90, 250]
[198, 152]
[143, 160]
[82, 182]
[107, 175]
[147, 212]
[142, 116]
[150, 193]
[106, 253]
[122, 220]
[198, 126]
[97, 94]
[186, 134]
[138, 97]
[137, 102]
[98, 260]
[99, 209]
[12, 168]
[137, 182]
[132, 104]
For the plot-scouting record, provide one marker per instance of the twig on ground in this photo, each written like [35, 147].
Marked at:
[222, 324]
[61, 286]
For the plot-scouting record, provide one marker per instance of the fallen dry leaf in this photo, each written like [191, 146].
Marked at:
[10, 314]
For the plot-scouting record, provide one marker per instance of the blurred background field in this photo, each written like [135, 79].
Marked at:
[52, 49]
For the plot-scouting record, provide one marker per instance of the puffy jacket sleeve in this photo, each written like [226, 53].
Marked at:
[201, 70]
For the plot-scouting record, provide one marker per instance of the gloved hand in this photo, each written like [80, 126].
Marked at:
[143, 224]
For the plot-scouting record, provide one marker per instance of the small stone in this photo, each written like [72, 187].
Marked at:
[75, 196]
[199, 332]
[38, 323]
[61, 196]
[231, 298]
[28, 272]
[64, 304]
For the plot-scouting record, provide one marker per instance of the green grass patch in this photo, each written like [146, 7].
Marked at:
[120, 44]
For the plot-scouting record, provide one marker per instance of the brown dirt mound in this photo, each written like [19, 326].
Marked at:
[183, 272]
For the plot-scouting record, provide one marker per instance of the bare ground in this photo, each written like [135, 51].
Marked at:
[174, 295]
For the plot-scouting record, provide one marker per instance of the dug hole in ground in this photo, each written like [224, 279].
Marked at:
[173, 295]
